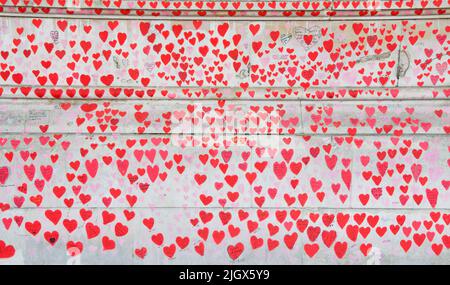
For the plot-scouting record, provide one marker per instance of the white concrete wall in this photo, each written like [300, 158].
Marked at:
[254, 133]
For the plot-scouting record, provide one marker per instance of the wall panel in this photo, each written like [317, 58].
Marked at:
[228, 132]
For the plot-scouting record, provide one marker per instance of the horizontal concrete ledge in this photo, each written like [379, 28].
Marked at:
[244, 117]
[230, 135]
[242, 8]
[228, 99]
[206, 9]
[207, 208]
[210, 93]
[231, 8]
[213, 19]
[197, 135]
[278, 87]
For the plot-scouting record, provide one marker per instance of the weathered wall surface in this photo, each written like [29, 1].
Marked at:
[179, 132]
